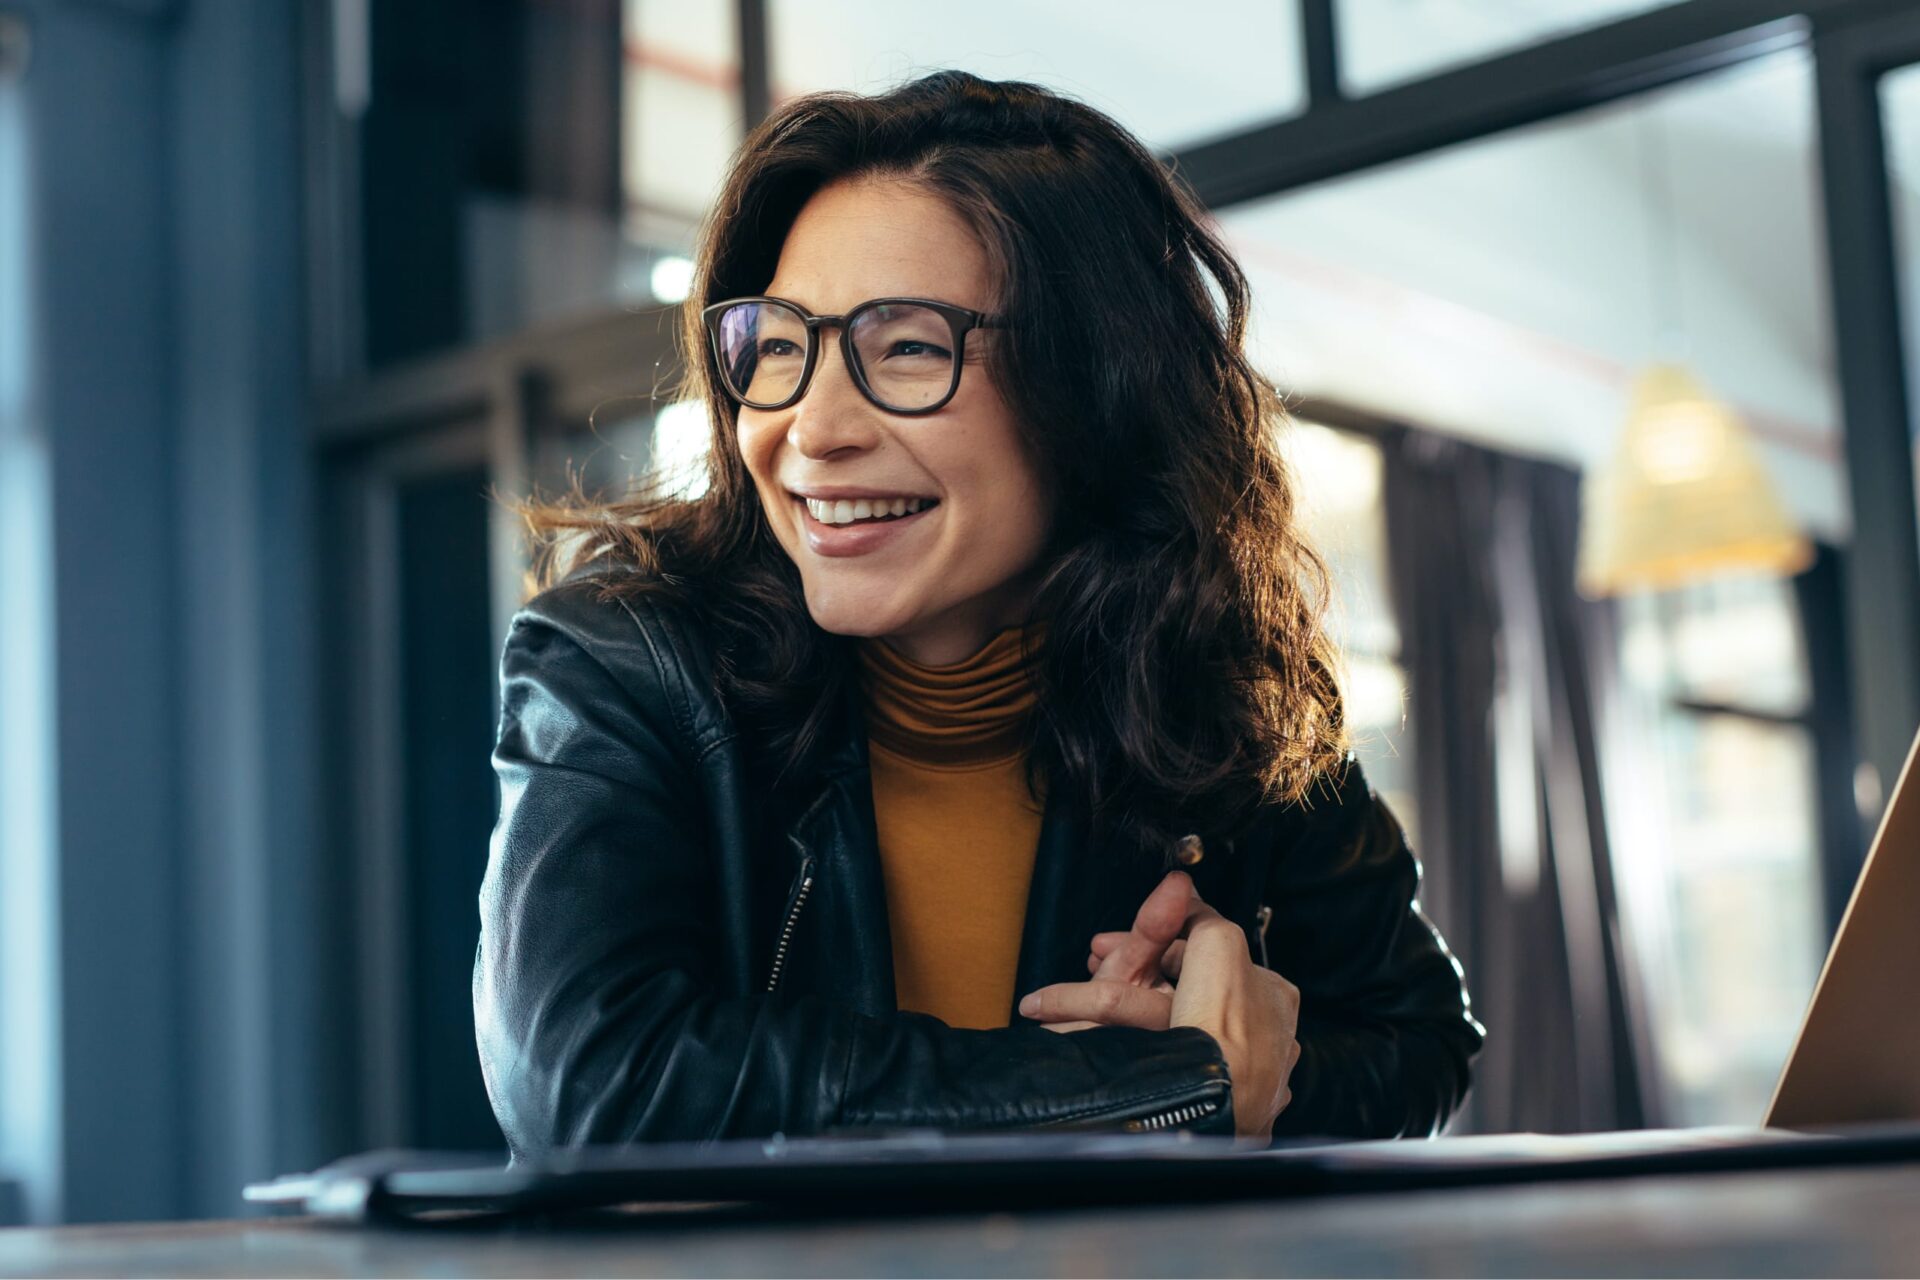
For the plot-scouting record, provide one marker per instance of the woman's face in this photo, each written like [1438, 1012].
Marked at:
[941, 583]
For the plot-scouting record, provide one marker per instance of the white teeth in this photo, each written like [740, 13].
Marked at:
[845, 511]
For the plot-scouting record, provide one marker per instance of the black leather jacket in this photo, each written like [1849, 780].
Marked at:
[655, 962]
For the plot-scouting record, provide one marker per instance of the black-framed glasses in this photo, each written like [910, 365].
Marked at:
[905, 353]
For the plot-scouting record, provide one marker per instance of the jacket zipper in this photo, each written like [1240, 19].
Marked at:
[1264, 917]
[1168, 1117]
[803, 885]
[1173, 1117]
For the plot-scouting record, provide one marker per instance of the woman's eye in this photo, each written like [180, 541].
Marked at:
[778, 347]
[914, 347]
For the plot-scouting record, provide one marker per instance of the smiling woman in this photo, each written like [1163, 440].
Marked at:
[993, 611]
[938, 583]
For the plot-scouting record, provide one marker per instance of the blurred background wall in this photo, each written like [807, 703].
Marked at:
[287, 286]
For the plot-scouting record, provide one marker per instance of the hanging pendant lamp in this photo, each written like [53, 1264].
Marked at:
[1685, 496]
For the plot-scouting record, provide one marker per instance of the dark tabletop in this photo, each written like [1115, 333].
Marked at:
[1854, 1221]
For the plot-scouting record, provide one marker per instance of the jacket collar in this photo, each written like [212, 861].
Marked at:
[1073, 894]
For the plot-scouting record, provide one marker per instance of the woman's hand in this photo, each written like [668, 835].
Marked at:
[1128, 986]
[1249, 1010]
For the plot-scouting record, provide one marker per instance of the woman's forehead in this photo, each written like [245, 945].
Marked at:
[869, 239]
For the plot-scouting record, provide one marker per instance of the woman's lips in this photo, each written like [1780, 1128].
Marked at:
[855, 539]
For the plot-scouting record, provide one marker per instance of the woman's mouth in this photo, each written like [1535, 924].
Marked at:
[861, 536]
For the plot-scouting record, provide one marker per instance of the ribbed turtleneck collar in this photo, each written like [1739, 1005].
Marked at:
[968, 713]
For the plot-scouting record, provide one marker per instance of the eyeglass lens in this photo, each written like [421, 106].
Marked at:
[904, 351]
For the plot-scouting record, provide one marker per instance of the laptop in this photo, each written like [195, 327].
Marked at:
[1856, 1057]
[1848, 1094]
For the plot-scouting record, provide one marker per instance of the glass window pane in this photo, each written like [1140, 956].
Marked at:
[1337, 478]
[1900, 103]
[682, 121]
[1732, 641]
[1725, 864]
[1221, 67]
[1337, 487]
[533, 163]
[1387, 42]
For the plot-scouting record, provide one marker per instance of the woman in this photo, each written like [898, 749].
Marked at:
[968, 754]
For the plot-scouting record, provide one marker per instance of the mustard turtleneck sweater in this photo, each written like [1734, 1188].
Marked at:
[958, 830]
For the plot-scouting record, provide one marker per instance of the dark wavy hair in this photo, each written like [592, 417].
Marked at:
[1186, 669]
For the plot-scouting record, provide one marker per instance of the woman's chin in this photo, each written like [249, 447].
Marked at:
[852, 620]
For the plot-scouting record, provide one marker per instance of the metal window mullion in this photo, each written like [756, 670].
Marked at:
[1882, 582]
[756, 79]
[1320, 51]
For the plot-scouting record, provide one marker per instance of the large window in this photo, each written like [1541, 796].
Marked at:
[1510, 291]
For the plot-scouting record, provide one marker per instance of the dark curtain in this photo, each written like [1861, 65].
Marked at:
[1823, 632]
[1509, 673]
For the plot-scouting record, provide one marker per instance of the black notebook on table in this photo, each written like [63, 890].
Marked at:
[915, 1171]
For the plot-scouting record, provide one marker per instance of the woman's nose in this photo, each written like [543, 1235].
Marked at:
[832, 414]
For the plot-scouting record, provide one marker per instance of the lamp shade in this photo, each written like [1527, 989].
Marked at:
[1684, 498]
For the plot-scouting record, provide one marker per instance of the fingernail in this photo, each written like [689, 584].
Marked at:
[1029, 1005]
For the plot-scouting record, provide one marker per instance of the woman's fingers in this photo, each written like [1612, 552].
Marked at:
[1113, 1004]
[1134, 955]
[1208, 964]
[1162, 981]
[1103, 946]
[1201, 918]
[1164, 913]
[1170, 962]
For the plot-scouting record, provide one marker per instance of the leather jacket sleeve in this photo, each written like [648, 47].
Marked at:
[1387, 1034]
[599, 1014]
